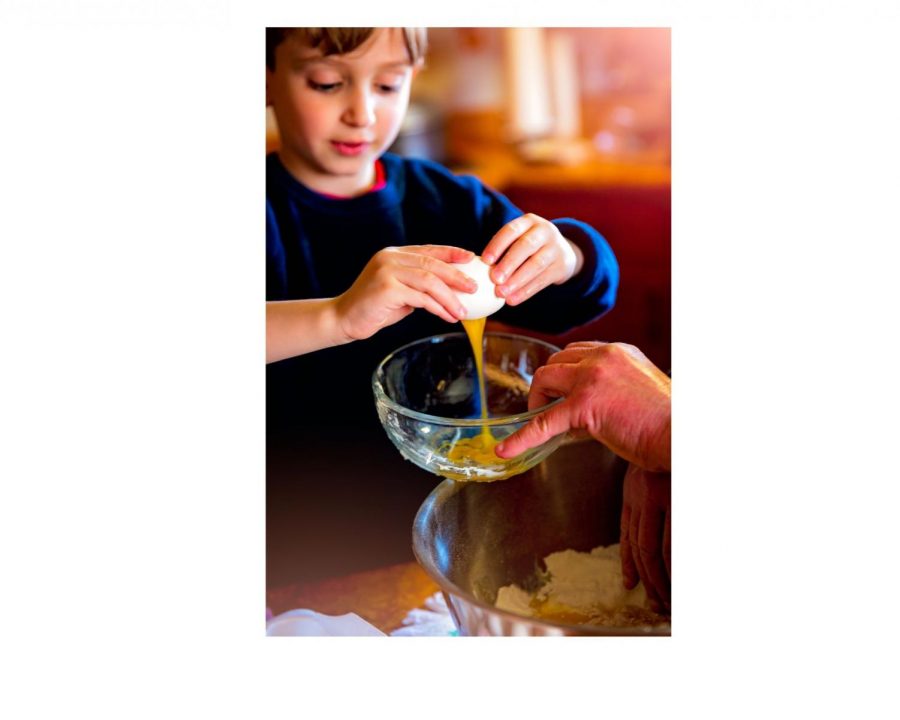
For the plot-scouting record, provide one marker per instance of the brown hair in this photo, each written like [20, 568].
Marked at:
[339, 41]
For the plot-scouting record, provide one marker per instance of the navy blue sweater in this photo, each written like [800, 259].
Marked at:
[317, 246]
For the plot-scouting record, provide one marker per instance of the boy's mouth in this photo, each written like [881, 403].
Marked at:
[349, 148]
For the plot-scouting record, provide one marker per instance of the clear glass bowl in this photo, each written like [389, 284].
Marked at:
[426, 394]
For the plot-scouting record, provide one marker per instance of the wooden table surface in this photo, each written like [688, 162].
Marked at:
[382, 597]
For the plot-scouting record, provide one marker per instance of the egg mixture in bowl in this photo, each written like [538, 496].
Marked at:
[445, 408]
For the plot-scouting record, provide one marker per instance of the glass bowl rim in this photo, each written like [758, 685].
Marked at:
[381, 395]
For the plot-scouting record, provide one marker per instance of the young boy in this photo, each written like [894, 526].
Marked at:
[339, 96]
[358, 238]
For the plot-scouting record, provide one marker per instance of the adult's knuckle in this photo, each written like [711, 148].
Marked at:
[596, 373]
[601, 355]
[542, 425]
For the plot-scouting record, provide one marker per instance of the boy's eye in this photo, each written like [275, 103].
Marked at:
[323, 87]
[389, 83]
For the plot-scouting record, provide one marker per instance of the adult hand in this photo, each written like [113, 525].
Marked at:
[396, 281]
[645, 538]
[534, 255]
[613, 392]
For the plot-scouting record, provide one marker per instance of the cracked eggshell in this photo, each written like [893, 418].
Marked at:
[483, 301]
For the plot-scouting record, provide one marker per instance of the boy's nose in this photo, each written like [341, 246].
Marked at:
[361, 110]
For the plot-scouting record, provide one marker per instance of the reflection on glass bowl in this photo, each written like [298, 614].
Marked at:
[426, 394]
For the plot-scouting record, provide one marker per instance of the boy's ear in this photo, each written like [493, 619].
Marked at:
[268, 78]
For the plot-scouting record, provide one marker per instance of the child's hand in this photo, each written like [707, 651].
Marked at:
[536, 255]
[396, 281]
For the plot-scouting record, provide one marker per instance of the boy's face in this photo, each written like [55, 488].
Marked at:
[337, 114]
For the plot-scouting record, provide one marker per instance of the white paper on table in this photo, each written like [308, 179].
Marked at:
[308, 623]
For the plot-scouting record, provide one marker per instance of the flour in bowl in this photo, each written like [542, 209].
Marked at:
[582, 589]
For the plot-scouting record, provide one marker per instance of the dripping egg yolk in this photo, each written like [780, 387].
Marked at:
[479, 448]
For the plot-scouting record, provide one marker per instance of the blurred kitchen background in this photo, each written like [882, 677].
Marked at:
[566, 122]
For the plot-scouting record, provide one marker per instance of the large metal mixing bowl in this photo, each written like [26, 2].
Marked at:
[474, 538]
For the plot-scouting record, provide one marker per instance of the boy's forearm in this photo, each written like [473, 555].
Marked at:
[296, 327]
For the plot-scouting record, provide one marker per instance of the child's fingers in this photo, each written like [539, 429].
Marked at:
[523, 248]
[431, 284]
[531, 278]
[447, 253]
[505, 237]
[420, 300]
[521, 294]
[431, 263]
